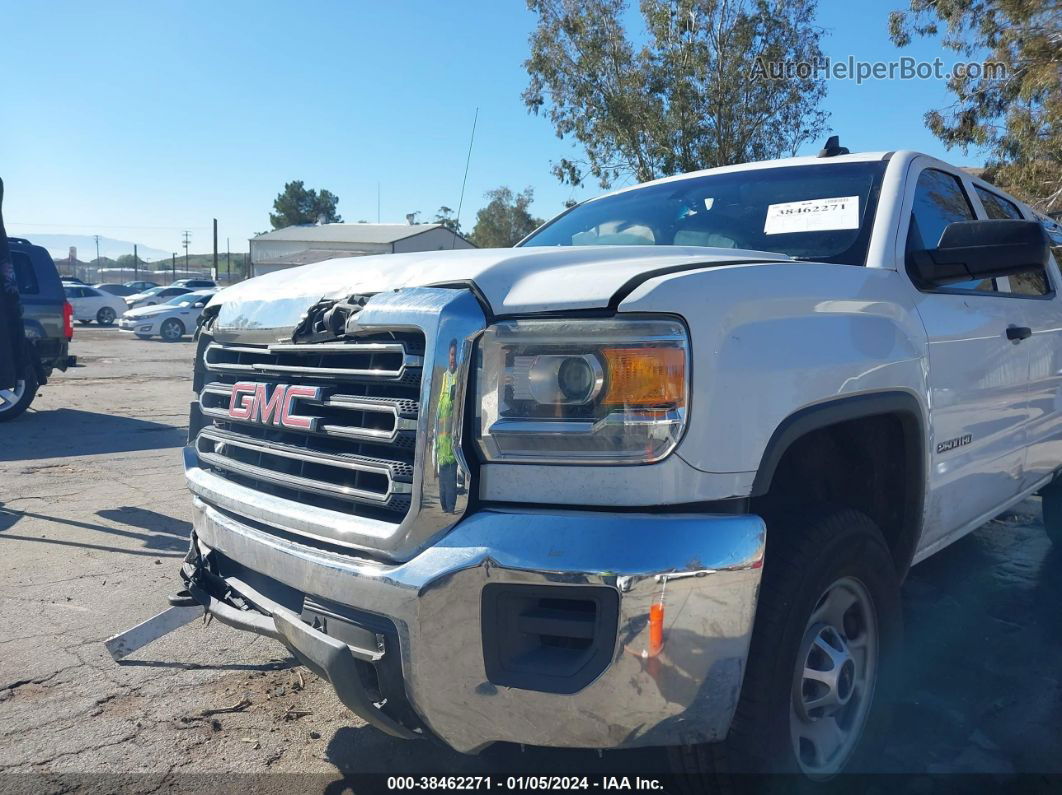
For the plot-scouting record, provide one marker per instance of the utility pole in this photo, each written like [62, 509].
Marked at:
[214, 275]
[186, 238]
[97, 251]
[136, 264]
[173, 267]
[228, 262]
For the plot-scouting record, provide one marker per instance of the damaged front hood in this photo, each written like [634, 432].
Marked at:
[512, 280]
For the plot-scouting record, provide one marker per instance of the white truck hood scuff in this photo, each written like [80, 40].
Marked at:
[512, 280]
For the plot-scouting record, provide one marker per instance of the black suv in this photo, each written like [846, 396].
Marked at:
[47, 318]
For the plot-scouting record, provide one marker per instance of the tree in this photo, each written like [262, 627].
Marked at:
[697, 94]
[298, 205]
[446, 217]
[1012, 105]
[505, 220]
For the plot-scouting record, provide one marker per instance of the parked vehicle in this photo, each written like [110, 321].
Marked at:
[196, 284]
[141, 286]
[71, 280]
[48, 320]
[91, 304]
[120, 290]
[651, 478]
[154, 295]
[170, 320]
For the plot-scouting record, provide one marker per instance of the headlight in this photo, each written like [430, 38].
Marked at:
[584, 391]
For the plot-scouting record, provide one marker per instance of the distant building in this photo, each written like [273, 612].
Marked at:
[293, 246]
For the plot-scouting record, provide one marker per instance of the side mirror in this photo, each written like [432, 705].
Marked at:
[200, 305]
[970, 250]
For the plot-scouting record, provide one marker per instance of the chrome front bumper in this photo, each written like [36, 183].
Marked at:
[704, 570]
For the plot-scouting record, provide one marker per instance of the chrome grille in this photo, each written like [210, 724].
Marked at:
[357, 455]
[362, 476]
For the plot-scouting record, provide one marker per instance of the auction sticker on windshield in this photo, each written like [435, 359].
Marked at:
[812, 215]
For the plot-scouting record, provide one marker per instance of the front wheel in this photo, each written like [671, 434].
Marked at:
[172, 330]
[819, 670]
[105, 316]
[14, 402]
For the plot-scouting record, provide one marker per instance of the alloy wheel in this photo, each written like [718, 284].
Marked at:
[171, 331]
[9, 398]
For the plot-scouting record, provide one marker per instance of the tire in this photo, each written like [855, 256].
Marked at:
[1051, 502]
[171, 330]
[834, 563]
[15, 401]
[106, 316]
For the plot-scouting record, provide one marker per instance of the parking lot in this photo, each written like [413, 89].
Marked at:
[94, 521]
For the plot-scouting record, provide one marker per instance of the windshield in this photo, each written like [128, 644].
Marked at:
[822, 212]
[187, 299]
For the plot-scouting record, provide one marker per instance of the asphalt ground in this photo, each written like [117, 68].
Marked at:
[94, 521]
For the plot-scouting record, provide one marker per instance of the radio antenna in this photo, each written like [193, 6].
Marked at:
[464, 181]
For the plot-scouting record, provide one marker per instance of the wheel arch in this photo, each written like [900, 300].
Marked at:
[906, 410]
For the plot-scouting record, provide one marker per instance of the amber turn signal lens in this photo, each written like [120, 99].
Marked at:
[648, 377]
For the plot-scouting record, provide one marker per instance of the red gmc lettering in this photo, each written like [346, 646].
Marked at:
[290, 420]
[253, 402]
[268, 409]
[241, 402]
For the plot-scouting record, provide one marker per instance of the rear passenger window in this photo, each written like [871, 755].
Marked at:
[25, 276]
[996, 207]
[940, 200]
[999, 209]
[1033, 283]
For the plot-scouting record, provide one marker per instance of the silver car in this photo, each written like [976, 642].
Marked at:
[170, 320]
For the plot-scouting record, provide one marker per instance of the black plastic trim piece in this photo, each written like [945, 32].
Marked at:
[478, 294]
[584, 641]
[822, 415]
[637, 281]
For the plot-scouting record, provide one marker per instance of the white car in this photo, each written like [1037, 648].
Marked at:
[153, 296]
[92, 304]
[170, 320]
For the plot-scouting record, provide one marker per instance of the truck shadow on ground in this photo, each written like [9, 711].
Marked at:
[167, 537]
[979, 671]
[363, 750]
[64, 433]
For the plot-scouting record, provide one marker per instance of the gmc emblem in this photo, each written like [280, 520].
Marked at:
[252, 402]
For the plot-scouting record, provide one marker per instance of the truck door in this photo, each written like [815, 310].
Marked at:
[979, 412]
[1041, 308]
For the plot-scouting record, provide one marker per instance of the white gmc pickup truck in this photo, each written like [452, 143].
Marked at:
[651, 478]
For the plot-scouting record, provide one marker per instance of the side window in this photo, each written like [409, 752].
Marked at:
[997, 207]
[1032, 283]
[25, 276]
[940, 200]
[74, 292]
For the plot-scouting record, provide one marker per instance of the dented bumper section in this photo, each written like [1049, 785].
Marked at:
[568, 629]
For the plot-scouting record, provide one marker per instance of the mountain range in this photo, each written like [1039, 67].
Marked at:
[59, 247]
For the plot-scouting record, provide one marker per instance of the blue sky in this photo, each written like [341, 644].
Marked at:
[137, 120]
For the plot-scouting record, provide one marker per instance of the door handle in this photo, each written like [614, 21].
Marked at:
[1018, 333]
